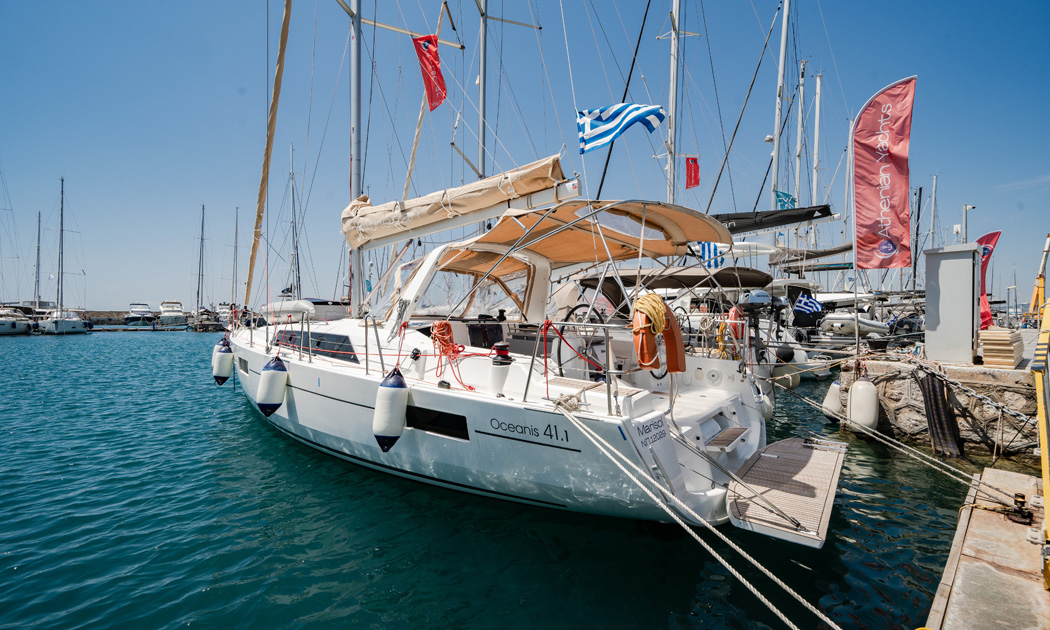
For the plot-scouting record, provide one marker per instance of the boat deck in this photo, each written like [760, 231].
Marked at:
[797, 476]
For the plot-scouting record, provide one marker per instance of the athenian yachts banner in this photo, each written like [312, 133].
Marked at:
[879, 146]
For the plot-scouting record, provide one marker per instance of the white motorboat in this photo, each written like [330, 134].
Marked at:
[462, 394]
[139, 315]
[14, 322]
[171, 314]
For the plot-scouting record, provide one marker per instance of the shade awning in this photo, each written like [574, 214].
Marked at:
[581, 231]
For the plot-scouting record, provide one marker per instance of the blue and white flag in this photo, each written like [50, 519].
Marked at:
[711, 254]
[599, 127]
[807, 304]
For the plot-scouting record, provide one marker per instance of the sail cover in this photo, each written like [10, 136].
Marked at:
[363, 222]
[791, 255]
[739, 222]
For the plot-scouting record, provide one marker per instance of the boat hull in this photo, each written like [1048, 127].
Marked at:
[63, 327]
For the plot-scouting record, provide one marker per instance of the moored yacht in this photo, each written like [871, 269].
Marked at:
[453, 385]
[139, 315]
[14, 322]
[171, 314]
[64, 321]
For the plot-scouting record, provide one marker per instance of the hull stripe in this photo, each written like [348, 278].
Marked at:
[507, 437]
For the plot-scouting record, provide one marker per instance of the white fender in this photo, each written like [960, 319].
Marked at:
[862, 404]
[832, 406]
[222, 361]
[272, 383]
[388, 420]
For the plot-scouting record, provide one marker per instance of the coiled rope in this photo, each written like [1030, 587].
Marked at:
[616, 457]
[652, 306]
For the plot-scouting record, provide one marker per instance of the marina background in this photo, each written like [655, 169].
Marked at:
[139, 494]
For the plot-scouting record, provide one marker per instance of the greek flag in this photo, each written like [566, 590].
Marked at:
[599, 127]
[807, 304]
[711, 254]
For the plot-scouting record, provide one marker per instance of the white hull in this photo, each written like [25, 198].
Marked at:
[172, 320]
[527, 452]
[14, 327]
[63, 326]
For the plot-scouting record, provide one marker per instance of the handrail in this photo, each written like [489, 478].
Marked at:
[379, 345]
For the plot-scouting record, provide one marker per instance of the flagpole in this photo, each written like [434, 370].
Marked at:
[850, 186]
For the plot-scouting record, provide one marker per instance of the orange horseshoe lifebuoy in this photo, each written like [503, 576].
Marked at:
[645, 347]
[736, 322]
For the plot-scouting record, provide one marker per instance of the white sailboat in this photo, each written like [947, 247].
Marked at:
[62, 320]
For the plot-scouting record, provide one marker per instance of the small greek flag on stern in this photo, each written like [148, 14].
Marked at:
[599, 127]
[807, 304]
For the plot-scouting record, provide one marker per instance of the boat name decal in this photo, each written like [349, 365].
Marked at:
[509, 427]
[651, 432]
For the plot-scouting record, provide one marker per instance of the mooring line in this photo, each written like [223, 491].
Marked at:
[563, 405]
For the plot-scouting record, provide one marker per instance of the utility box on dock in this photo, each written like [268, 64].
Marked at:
[953, 294]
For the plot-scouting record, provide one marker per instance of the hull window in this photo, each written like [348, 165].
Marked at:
[434, 421]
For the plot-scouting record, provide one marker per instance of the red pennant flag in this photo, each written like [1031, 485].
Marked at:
[692, 173]
[427, 51]
[880, 139]
[987, 243]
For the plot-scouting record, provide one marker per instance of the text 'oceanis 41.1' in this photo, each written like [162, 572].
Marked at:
[458, 390]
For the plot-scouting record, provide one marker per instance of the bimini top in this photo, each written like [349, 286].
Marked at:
[581, 231]
[366, 226]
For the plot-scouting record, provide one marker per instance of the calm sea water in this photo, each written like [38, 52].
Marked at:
[137, 494]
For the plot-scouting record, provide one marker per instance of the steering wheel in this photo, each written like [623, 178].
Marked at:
[581, 337]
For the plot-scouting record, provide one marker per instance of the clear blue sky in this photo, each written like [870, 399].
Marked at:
[151, 109]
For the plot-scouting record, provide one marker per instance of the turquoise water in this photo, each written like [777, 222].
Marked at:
[137, 494]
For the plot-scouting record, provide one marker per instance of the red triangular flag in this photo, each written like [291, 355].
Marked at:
[692, 173]
[427, 51]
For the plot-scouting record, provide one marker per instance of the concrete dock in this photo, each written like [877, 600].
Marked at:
[994, 574]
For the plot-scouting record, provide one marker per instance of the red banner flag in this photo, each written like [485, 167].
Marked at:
[987, 243]
[427, 51]
[879, 145]
[692, 173]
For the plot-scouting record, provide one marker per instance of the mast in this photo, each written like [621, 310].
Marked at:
[673, 99]
[814, 196]
[357, 294]
[780, 103]
[36, 282]
[296, 291]
[483, 7]
[200, 265]
[800, 116]
[61, 231]
[233, 288]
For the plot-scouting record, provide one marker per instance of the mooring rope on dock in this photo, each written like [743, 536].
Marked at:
[566, 407]
[949, 471]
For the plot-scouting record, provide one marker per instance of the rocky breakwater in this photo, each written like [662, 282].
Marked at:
[984, 426]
